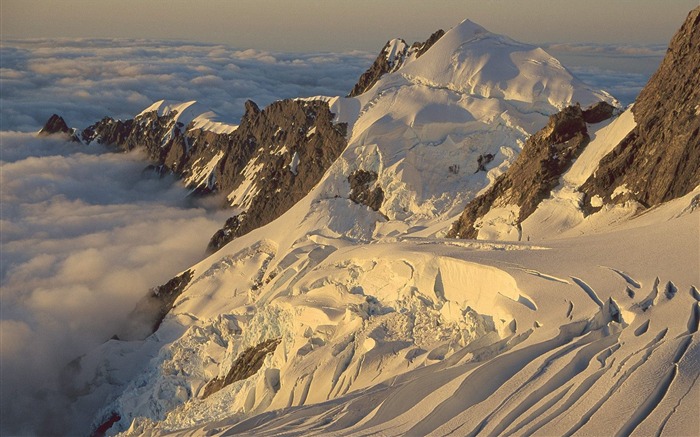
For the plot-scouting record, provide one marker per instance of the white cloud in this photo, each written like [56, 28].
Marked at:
[622, 70]
[84, 236]
[85, 80]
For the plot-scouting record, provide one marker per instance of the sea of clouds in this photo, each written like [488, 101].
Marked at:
[85, 232]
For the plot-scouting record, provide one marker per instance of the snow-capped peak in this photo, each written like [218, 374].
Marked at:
[470, 60]
[187, 112]
[394, 51]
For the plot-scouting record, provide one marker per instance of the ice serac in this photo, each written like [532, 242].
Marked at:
[660, 159]
[518, 192]
[391, 58]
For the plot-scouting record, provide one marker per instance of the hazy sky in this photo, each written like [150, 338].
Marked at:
[333, 25]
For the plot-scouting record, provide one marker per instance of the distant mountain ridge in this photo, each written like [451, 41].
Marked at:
[275, 156]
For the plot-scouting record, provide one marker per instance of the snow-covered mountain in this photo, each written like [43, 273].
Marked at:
[334, 304]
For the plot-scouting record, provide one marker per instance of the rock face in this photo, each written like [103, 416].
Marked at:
[660, 159]
[246, 365]
[391, 58]
[545, 157]
[57, 125]
[290, 144]
[361, 191]
[152, 309]
[263, 166]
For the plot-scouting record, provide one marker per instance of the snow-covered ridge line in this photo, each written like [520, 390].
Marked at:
[190, 112]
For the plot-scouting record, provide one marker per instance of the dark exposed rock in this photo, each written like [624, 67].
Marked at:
[150, 311]
[546, 155]
[56, 125]
[360, 183]
[385, 63]
[660, 159]
[108, 131]
[224, 235]
[246, 365]
[292, 144]
[423, 47]
[381, 66]
[600, 111]
[483, 160]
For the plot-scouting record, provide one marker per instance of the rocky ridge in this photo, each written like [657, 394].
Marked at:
[660, 159]
[545, 157]
[263, 166]
[393, 56]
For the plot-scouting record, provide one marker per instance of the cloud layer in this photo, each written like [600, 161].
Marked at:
[84, 236]
[85, 80]
[622, 70]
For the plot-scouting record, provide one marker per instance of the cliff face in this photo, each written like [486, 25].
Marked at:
[293, 143]
[56, 125]
[660, 159]
[545, 157]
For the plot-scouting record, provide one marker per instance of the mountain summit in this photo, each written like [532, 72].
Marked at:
[651, 156]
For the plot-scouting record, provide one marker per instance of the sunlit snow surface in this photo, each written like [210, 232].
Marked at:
[590, 327]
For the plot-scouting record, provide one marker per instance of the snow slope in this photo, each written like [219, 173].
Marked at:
[416, 335]
[423, 127]
[385, 328]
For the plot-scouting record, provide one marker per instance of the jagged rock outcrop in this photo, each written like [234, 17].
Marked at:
[483, 160]
[109, 131]
[361, 191]
[660, 159]
[246, 365]
[421, 48]
[392, 57]
[264, 166]
[599, 112]
[536, 171]
[56, 125]
[292, 144]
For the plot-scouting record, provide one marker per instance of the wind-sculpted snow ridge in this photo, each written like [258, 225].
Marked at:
[412, 337]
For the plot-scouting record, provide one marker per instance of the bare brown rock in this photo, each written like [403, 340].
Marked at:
[56, 125]
[546, 155]
[361, 191]
[660, 159]
[246, 365]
